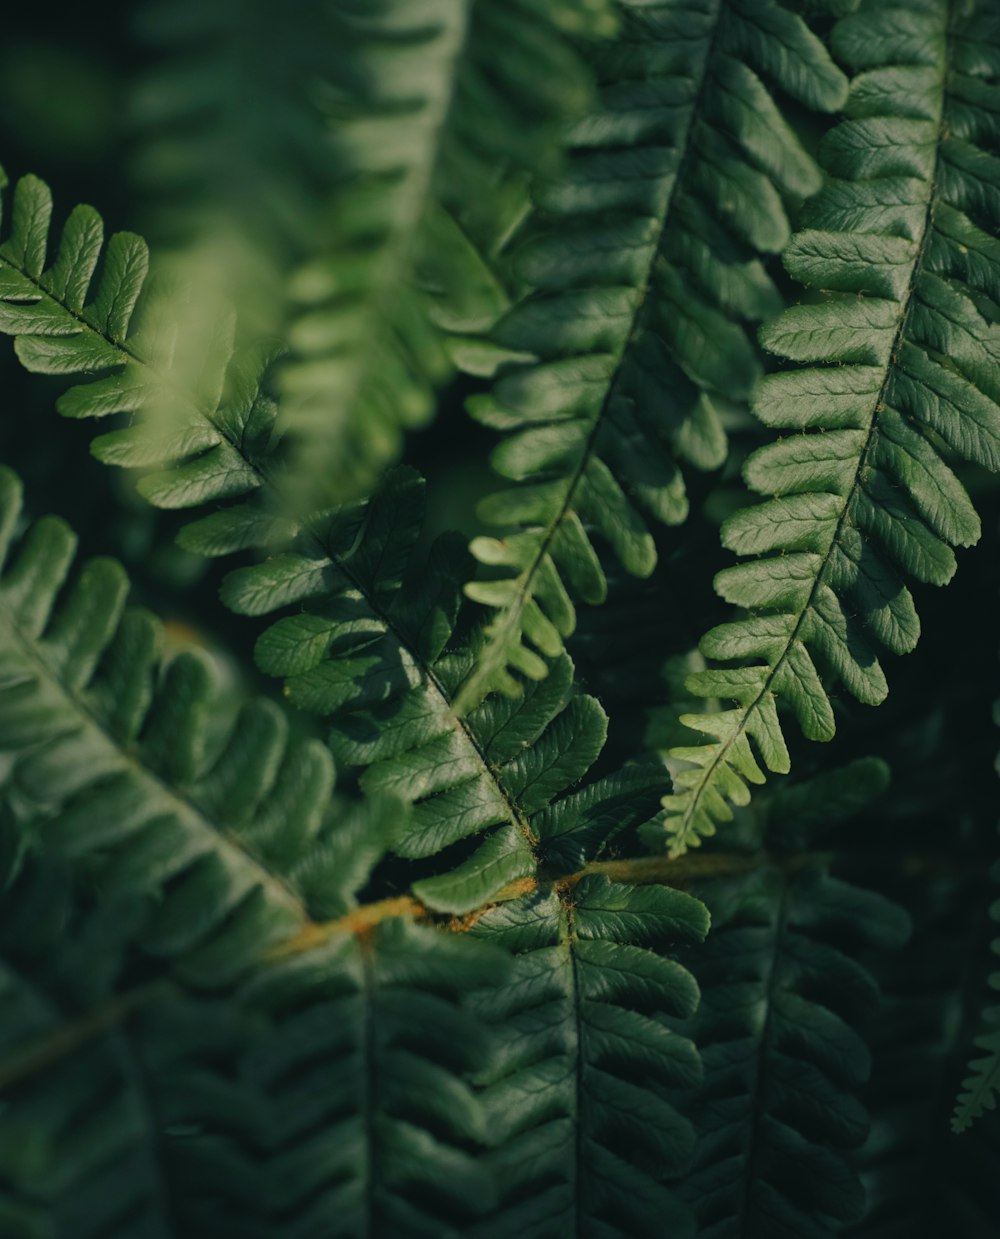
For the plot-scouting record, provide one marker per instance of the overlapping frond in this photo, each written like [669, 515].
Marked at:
[900, 344]
[231, 151]
[238, 1002]
[644, 269]
[781, 993]
[324, 1096]
[920, 1179]
[370, 644]
[433, 130]
[348, 1113]
[583, 1137]
[378, 153]
[208, 849]
[788, 997]
[78, 1147]
[124, 771]
[372, 649]
[71, 307]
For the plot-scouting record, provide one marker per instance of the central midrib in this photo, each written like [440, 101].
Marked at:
[514, 609]
[569, 942]
[758, 1089]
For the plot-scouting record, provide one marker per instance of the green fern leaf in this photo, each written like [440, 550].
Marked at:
[78, 1154]
[782, 992]
[325, 1096]
[347, 1112]
[980, 1089]
[583, 1137]
[644, 269]
[231, 152]
[377, 154]
[902, 348]
[113, 770]
[372, 649]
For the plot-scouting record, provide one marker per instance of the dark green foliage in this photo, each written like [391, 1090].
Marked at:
[123, 770]
[77, 1151]
[785, 995]
[351, 1113]
[352, 185]
[980, 1089]
[324, 1099]
[230, 151]
[431, 133]
[325, 912]
[919, 1177]
[374, 649]
[587, 1049]
[783, 1060]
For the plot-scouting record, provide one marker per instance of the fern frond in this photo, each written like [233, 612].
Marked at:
[789, 997]
[901, 344]
[121, 770]
[782, 992]
[347, 1113]
[919, 1178]
[67, 322]
[377, 151]
[230, 150]
[434, 129]
[325, 1096]
[583, 1137]
[371, 646]
[78, 1151]
[644, 272]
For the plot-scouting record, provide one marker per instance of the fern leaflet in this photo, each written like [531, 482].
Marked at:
[231, 152]
[779, 1109]
[783, 995]
[347, 1113]
[324, 1096]
[78, 1150]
